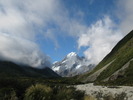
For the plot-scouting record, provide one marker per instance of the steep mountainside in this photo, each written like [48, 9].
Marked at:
[117, 66]
[9, 69]
[72, 65]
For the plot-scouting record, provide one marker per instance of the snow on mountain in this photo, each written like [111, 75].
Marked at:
[72, 65]
[72, 54]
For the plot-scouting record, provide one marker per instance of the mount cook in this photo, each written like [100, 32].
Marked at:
[72, 65]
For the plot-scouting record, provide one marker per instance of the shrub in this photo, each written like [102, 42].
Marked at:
[122, 96]
[69, 93]
[38, 92]
[87, 97]
[8, 94]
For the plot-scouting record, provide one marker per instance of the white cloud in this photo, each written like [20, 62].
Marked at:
[100, 39]
[22, 51]
[125, 14]
[102, 36]
[21, 21]
[83, 40]
[22, 18]
[28, 18]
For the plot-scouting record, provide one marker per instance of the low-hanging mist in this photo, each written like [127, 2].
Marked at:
[22, 51]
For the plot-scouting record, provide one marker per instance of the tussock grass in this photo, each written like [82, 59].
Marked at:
[38, 92]
[8, 94]
[88, 97]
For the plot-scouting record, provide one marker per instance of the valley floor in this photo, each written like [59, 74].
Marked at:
[106, 93]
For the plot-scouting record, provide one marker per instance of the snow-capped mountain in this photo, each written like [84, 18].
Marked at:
[72, 65]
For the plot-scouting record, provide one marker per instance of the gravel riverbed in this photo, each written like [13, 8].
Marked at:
[102, 92]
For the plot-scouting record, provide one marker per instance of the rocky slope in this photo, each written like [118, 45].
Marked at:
[116, 67]
[72, 65]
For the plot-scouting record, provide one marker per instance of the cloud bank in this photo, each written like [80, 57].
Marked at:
[22, 52]
[125, 9]
[100, 39]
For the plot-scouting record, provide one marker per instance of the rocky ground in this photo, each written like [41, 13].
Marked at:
[106, 93]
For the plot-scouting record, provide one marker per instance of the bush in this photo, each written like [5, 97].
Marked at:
[87, 97]
[122, 96]
[8, 94]
[69, 93]
[38, 92]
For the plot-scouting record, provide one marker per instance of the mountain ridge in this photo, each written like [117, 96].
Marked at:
[10, 69]
[120, 55]
[72, 65]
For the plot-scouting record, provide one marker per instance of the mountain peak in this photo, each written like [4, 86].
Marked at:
[72, 65]
[71, 54]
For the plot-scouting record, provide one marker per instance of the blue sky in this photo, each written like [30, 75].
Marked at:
[92, 10]
[34, 31]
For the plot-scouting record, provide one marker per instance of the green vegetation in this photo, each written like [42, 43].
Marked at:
[25, 88]
[88, 97]
[114, 53]
[68, 93]
[8, 94]
[38, 92]
[127, 79]
[124, 55]
[100, 96]
[129, 70]
[9, 69]
[25, 83]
